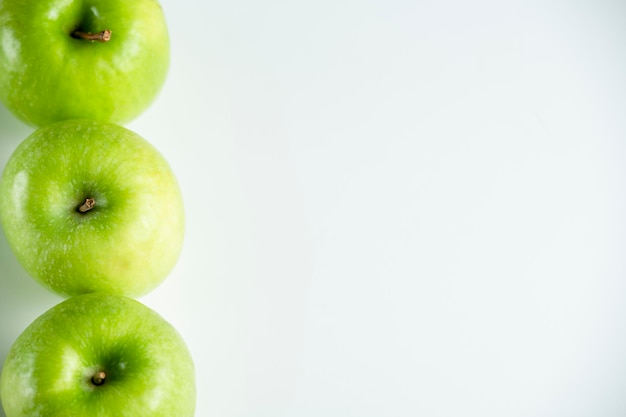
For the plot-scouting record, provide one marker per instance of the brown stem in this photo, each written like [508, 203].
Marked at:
[99, 378]
[87, 205]
[103, 36]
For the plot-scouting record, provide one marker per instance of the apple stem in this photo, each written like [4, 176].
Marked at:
[87, 205]
[103, 36]
[98, 378]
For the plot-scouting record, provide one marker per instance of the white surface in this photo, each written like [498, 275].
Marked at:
[394, 208]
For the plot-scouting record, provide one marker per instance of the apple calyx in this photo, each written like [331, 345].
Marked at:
[103, 36]
[87, 205]
[99, 378]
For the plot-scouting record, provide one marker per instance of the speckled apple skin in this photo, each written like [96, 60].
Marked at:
[149, 370]
[48, 75]
[132, 238]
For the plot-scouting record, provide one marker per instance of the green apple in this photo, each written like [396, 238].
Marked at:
[88, 206]
[96, 59]
[99, 355]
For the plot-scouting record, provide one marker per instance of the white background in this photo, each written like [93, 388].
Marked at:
[394, 208]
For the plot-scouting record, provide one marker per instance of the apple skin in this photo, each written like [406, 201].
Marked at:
[47, 75]
[131, 239]
[149, 371]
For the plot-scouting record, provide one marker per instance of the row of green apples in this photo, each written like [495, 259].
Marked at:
[91, 210]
